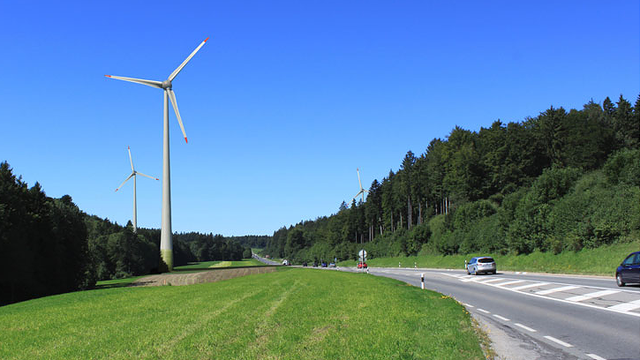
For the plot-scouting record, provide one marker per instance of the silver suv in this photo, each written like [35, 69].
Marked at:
[481, 264]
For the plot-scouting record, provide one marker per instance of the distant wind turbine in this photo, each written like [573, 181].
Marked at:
[133, 175]
[362, 191]
[166, 242]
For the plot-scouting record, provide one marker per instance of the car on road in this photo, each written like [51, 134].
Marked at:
[629, 270]
[332, 264]
[285, 262]
[362, 265]
[481, 264]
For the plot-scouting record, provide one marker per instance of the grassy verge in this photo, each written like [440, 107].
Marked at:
[601, 261]
[287, 314]
[108, 284]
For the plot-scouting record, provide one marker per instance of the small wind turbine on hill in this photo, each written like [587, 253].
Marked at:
[133, 175]
[362, 190]
[166, 242]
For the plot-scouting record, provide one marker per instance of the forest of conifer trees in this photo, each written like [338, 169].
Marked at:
[561, 181]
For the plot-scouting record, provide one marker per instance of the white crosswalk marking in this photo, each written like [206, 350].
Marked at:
[592, 295]
[558, 289]
[626, 306]
[529, 286]
[510, 282]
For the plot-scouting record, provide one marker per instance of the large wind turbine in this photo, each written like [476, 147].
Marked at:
[133, 175]
[166, 243]
[362, 191]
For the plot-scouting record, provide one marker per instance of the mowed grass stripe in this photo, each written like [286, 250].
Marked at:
[288, 314]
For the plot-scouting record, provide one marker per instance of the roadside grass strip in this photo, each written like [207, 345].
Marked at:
[285, 314]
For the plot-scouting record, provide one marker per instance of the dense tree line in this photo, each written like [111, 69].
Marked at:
[49, 246]
[551, 183]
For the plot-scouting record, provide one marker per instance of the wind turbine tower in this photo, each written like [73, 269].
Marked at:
[166, 241]
[362, 190]
[134, 175]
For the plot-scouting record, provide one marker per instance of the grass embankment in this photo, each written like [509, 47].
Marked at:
[287, 314]
[601, 261]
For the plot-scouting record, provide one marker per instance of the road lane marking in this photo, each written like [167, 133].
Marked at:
[484, 311]
[626, 306]
[558, 289]
[518, 288]
[595, 357]
[592, 295]
[526, 327]
[558, 341]
[501, 317]
[494, 279]
[469, 305]
[510, 282]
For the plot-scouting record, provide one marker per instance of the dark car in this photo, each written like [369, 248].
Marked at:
[481, 264]
[304, 263]
[324, 264]
[629, 270]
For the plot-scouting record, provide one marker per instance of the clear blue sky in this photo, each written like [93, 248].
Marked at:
[287, 98]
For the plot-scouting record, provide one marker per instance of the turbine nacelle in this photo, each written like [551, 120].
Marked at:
[166, 84]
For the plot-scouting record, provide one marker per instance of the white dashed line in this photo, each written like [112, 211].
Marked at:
[469, 305]
[595, 357]
[484, 311]
[626, 306]
[529, 286]
[558, 289]
[592, 295]
[501, 317]
[558, 341]
[526, 327]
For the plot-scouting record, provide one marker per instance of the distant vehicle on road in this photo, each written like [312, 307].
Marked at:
[362, 265]
[629, 270]
[481, 264]
[332, 264]
[304, 264]
[324, 264]
[285, 262]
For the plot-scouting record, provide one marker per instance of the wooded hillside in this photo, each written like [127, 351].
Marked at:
[562, 180]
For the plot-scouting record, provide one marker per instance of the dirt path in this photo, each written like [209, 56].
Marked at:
[200, 277]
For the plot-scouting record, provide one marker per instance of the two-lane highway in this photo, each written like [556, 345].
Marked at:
[562, 317]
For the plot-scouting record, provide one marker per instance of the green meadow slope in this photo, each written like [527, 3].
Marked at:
[287, 314]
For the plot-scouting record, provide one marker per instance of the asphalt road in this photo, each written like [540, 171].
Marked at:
[557, 317]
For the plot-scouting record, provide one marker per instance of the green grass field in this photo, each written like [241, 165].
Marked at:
[218, 264]
[287, 314]
[601, 261]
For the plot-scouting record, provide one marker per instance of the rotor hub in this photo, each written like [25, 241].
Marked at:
[166, 84]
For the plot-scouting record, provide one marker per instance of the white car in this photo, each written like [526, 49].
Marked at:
[285, 262]
[481, 264]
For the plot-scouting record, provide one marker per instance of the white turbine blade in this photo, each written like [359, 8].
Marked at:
[367, 191]
[152, 83]
[359, 182]
[177, 71]
[130, 159]
[172, 97]
[150, 177]
[358, 194]
[127, 179]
